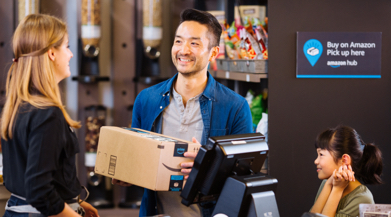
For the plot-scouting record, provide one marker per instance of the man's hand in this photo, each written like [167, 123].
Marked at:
[187, 166]
[121, 183]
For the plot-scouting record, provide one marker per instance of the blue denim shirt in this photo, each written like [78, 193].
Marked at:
[223, 111]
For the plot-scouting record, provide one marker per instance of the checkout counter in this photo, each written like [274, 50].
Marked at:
[226, 170]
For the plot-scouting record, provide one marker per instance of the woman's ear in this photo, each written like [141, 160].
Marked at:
[51, 54]
[346, 160]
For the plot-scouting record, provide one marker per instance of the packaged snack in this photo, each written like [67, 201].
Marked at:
[260, 40]
[248, 26]
[264, 34]
[230, 47]
[252, 46]
[243, 47]
[232, 42]
[248, 41]
[262, 45]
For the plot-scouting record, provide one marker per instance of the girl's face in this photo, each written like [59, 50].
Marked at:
[325, 164]
[61, 62]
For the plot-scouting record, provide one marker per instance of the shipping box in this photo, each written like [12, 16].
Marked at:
[142, 158]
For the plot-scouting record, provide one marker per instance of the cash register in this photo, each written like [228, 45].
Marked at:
[226, 171]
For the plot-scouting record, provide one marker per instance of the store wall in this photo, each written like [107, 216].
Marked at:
[299, 109]
[6, 54]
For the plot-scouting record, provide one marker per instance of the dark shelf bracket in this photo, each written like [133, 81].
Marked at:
[90, 79]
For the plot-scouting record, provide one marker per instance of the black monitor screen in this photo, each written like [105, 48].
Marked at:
[242, 154]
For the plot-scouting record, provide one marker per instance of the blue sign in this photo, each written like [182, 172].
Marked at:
[338, 55]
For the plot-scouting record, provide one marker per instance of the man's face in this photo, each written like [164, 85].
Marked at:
[190, 53]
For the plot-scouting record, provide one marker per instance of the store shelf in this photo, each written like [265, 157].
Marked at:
[89, 79]
[240, 76]
[241, 70]
[151, 80]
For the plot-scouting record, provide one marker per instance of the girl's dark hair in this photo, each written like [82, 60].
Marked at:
[366, 158]
[205, 18]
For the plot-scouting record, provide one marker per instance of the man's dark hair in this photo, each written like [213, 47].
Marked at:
[207, 19]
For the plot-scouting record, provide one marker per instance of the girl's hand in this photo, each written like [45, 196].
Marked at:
[339, 175]
[347, 173]
[330, 181]
[350, 173]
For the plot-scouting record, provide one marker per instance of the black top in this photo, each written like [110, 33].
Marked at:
[39, 160]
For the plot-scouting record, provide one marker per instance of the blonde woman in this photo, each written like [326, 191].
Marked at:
[38, 141]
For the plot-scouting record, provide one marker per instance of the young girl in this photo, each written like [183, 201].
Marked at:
[38, 142]
[345, 163]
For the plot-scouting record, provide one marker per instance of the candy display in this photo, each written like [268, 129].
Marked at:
[101, 193]
[220, 16]
[247, 41]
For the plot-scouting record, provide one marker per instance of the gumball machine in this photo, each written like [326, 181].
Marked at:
[90, 27]
[99, 187]
[26, 7]
[147, 69]
[90, 37]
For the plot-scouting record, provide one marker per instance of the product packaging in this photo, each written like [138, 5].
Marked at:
[142, 158]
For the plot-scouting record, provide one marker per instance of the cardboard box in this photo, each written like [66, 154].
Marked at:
[142, 158]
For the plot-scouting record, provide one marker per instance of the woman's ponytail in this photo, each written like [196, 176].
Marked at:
[370, 166]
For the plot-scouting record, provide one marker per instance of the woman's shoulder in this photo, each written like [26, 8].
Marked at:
[28, 108]
[39, 115]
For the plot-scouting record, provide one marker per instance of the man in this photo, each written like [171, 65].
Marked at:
[190, 104]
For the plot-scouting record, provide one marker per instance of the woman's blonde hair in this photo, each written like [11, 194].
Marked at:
[31, 77]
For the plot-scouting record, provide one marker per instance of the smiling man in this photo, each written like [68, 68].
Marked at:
[191, 105]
